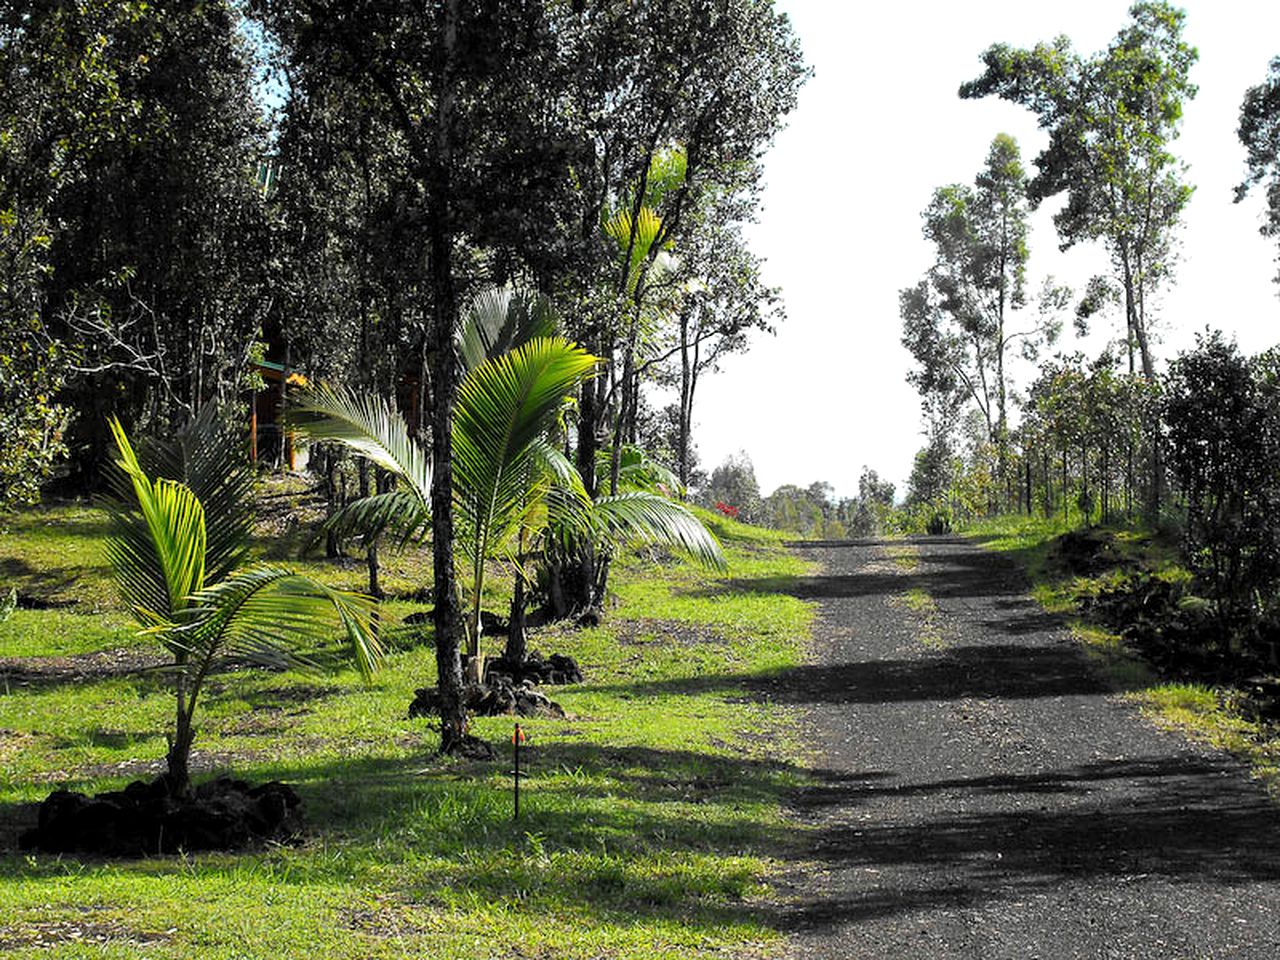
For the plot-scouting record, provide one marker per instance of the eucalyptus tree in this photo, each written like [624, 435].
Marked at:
[734, 484]
[1111, 119]
[704, 81]
[874, 505]
[726, 300]
[713, 78]
[959, 322]
[1259, 131]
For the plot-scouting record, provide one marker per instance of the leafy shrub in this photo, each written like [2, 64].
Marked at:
[1222, 424]
[1174, 630]
[939, 523]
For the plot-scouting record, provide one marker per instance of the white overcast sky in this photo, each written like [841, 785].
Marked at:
[878, 128]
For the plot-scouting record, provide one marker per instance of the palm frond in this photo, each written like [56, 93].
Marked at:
[266, 613]
[552, 462]
[157, 543]
[499, 319]
[211, 460]
[646, 516]
[639, 471]
[645, 228]
[505, 406]
[370, 427]
[399, 511]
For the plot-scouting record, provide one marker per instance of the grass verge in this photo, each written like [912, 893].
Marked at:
[650, 815]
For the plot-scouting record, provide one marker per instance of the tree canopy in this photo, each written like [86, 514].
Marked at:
[1111, 119]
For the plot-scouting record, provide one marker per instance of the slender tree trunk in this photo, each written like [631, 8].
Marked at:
[1128, 482]
[572, 589]
[332, 545]
[686, 401]
[1130, 308]
[178, 758]
[1102, 483]
[447, 613]
[1066, 499]
[371, 546]
[1048, 484]
[1084, 482]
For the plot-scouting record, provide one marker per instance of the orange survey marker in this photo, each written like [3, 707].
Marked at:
[518, 737]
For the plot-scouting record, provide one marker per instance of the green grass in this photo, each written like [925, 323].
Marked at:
[905, 556]
[651, 816]
[1203, 713]
[921, 603]
[1212, 715]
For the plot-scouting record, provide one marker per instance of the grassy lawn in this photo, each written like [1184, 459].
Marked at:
[1210, 714]
[649, 816]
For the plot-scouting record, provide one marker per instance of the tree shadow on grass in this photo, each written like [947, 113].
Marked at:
[619, 833]
[47, 587]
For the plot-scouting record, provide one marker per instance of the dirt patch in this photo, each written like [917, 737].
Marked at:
[82, 930]
[386, 918]
[647, 630]
[202, 761]
[99, 665]
[14, 742]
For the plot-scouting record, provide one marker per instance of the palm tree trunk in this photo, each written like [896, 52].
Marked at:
[178, 759]
[517, 649]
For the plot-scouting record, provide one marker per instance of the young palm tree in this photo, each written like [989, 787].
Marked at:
[503, 463]
[163, 546]
[508, 478]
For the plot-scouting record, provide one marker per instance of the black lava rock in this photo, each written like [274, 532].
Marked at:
[146, 818]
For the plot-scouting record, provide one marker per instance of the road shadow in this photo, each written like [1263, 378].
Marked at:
[979, 672]
[1172, 817]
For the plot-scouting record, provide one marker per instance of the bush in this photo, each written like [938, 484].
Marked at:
[939, 523]
[1223, 430]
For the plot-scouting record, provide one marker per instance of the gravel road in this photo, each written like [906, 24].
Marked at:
[982, 794]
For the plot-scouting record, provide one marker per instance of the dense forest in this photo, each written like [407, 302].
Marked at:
[322, 219]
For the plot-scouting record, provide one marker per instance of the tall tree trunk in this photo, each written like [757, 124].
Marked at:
[517, 650]
[371, 546]
[1066, 499]
[447, 613]
[332, 545]
[572, 590]
[1048, 484]
[1084, 482]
